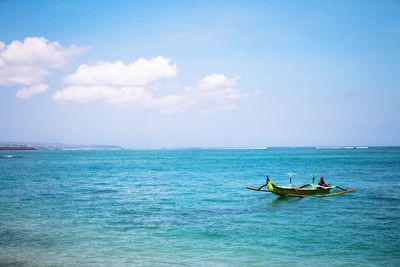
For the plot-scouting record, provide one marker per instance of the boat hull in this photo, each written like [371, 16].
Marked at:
[285, 191]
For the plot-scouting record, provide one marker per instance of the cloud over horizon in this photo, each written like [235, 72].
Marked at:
[135, 85]
[27, 92]
[142, 72]
[28, 62]
[220, 88]
[119, 83]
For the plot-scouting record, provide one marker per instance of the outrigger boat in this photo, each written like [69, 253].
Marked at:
[302, 191]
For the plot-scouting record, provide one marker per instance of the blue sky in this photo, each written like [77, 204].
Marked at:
[200, 73]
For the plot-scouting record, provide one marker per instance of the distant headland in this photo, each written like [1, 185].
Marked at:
[17, 148]
[53, 146]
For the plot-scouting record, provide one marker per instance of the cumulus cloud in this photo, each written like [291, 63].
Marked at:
[217, 81]
[132, 84]
[27, 92]
[221, 90]
[125, 96]
[120, 83]
[216, 93]
[139, 73]
[29, 61]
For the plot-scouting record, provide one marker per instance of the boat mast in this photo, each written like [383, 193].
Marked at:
[291, 174]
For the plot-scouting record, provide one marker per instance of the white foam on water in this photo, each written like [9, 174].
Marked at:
[341, 147]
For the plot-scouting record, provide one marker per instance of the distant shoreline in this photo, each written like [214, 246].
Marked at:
[10, 146]
[17, 148]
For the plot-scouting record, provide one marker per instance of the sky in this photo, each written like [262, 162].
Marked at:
[200, 73]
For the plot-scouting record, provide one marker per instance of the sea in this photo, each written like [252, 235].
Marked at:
[190, 207]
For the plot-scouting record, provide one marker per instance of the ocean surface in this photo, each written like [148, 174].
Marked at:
[190, 207]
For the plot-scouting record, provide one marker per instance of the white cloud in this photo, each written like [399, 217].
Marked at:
[85, 94]
[126, 84]
[134, 96]
[219, 88]
[135, 85]
[217, 81]
[137, 97]
[139, 73]
[29, 61]
[25, 75]
[27, 92]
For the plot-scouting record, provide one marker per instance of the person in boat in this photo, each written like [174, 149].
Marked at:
[322, 183]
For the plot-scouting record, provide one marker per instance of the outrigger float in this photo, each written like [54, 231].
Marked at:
[308, 190]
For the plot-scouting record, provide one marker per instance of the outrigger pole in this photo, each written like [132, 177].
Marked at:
[300, 191]
[264, 184]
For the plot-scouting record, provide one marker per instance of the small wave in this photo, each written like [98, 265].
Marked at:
[198, 148]
[9, 156]
[331, 147]
[341, 147]
[231, 148]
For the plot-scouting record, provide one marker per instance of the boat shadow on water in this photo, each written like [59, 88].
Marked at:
[282, 200]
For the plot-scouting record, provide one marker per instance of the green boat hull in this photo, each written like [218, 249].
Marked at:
[284, 191]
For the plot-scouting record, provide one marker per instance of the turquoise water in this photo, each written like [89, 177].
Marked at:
[190, 208]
